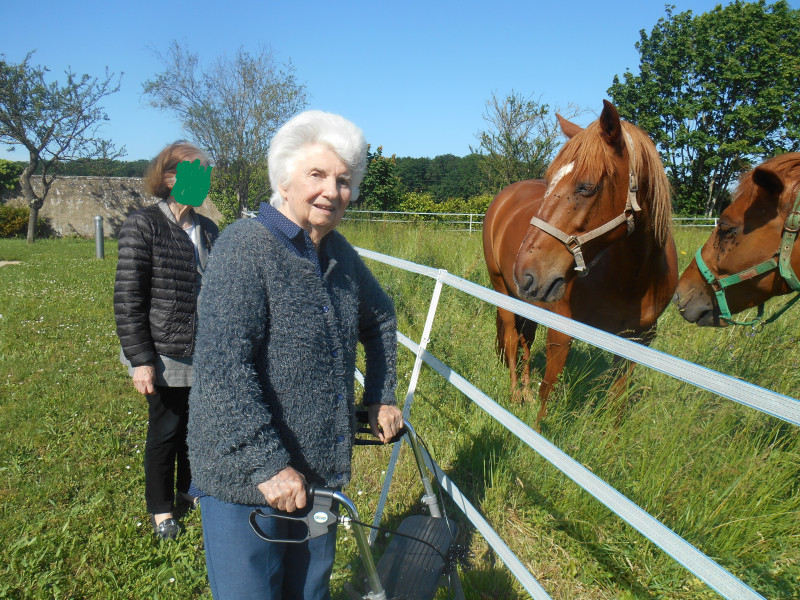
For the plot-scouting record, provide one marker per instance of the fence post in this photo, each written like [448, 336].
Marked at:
[412, 388]
[98, 237]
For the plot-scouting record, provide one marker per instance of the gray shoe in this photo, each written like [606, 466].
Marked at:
[168, 529]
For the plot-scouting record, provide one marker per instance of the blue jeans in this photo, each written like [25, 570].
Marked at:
[242, 566]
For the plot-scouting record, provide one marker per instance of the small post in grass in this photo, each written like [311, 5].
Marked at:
[98, 237]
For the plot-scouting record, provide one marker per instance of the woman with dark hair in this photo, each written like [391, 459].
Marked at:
[163, 251]
[285, 302]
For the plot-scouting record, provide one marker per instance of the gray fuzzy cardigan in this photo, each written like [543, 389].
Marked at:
[274, 362]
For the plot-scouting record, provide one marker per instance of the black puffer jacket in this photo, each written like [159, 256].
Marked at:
[155, 299]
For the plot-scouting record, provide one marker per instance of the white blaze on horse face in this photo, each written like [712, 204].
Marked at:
[565, 170]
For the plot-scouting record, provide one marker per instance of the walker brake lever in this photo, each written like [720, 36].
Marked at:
[318, 518]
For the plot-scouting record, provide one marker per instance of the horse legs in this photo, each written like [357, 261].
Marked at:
[507, 346]
[558, 345]
[511, 332]
[527, 333]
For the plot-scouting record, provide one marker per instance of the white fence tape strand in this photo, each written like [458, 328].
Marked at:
[767, 401]
[740, 391]
[690, 557]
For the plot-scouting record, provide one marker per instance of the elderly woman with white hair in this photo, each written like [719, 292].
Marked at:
[285, 301]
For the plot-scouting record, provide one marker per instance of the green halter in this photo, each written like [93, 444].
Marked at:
[782, 263]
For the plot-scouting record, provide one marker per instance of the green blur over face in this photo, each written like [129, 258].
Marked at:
[192, 182]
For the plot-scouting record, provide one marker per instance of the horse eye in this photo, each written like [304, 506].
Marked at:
[725, 228]
[586, 189]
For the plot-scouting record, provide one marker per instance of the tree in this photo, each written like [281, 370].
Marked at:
[443, 177]
[9, 175]
[412, 173]
[717, 91]
[521, 139]
[456, 177]
[231, 110]
[380, 189]
[53, 122]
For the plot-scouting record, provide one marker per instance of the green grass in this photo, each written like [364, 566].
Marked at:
[72, 515]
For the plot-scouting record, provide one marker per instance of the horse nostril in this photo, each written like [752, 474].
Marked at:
[528, 282]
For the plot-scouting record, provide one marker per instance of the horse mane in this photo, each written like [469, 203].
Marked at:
[590, 153]
[787, 167]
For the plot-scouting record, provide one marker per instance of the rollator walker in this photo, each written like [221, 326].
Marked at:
[418, 559]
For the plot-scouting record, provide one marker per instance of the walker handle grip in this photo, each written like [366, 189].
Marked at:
[317, 519]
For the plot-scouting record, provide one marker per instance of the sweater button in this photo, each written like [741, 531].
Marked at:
[335, 353]
[325, 309]
[340, 439]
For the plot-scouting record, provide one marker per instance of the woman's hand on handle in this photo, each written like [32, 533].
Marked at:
[285, 491]
[385, 421]
[144, 378]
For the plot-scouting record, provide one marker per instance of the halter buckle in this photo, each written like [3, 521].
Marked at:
[793, 218]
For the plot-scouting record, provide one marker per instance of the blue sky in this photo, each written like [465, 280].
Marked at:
[414, 75]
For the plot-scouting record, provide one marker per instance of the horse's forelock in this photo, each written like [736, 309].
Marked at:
[587, 152]
[590, 154]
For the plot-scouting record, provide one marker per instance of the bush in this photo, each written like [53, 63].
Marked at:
[416, 202]
[9, 175]
[14, 222]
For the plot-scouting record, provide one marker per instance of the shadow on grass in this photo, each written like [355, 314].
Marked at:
[491, 452]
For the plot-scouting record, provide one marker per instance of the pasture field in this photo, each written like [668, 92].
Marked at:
[725, 477]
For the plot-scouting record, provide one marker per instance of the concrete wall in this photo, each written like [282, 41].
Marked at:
[73, 202]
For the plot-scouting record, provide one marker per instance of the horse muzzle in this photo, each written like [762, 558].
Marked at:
[531, 288]
[697, 308]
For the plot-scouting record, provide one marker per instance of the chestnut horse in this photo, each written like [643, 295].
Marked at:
[593, 242]
[751, 256]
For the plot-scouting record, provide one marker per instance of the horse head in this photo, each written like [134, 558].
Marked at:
[739, 263]
[590, 204]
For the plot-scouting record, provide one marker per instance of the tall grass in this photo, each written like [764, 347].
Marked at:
[72, 515]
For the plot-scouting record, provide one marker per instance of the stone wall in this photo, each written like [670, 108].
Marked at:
[73, 202]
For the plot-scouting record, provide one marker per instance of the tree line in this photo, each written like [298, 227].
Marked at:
[718, 92]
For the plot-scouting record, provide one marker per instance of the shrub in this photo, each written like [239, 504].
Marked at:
[416, 202]
[14, 222]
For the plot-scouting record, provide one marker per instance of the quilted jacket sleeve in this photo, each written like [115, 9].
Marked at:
[132, 288]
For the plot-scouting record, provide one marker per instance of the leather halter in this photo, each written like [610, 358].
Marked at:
[573, 242]
[791, 226]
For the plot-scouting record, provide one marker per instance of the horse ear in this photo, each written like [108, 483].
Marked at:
[768, 181]
[567, 128]
[610, 126]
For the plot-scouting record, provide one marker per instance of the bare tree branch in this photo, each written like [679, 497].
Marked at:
[53, 122]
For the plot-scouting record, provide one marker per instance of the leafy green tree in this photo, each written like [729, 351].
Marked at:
[231, 110]
[520, 141]
[9, 175]
[445, 176]
[53, 122]
[717, 91]
[456, 177]
[380, 189]
[412, 173]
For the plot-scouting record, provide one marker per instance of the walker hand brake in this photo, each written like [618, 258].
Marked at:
[318, 519]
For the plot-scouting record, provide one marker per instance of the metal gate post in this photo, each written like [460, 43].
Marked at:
[99, 250]
[412, 388]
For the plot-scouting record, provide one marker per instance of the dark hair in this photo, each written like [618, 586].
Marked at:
[167, 162]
